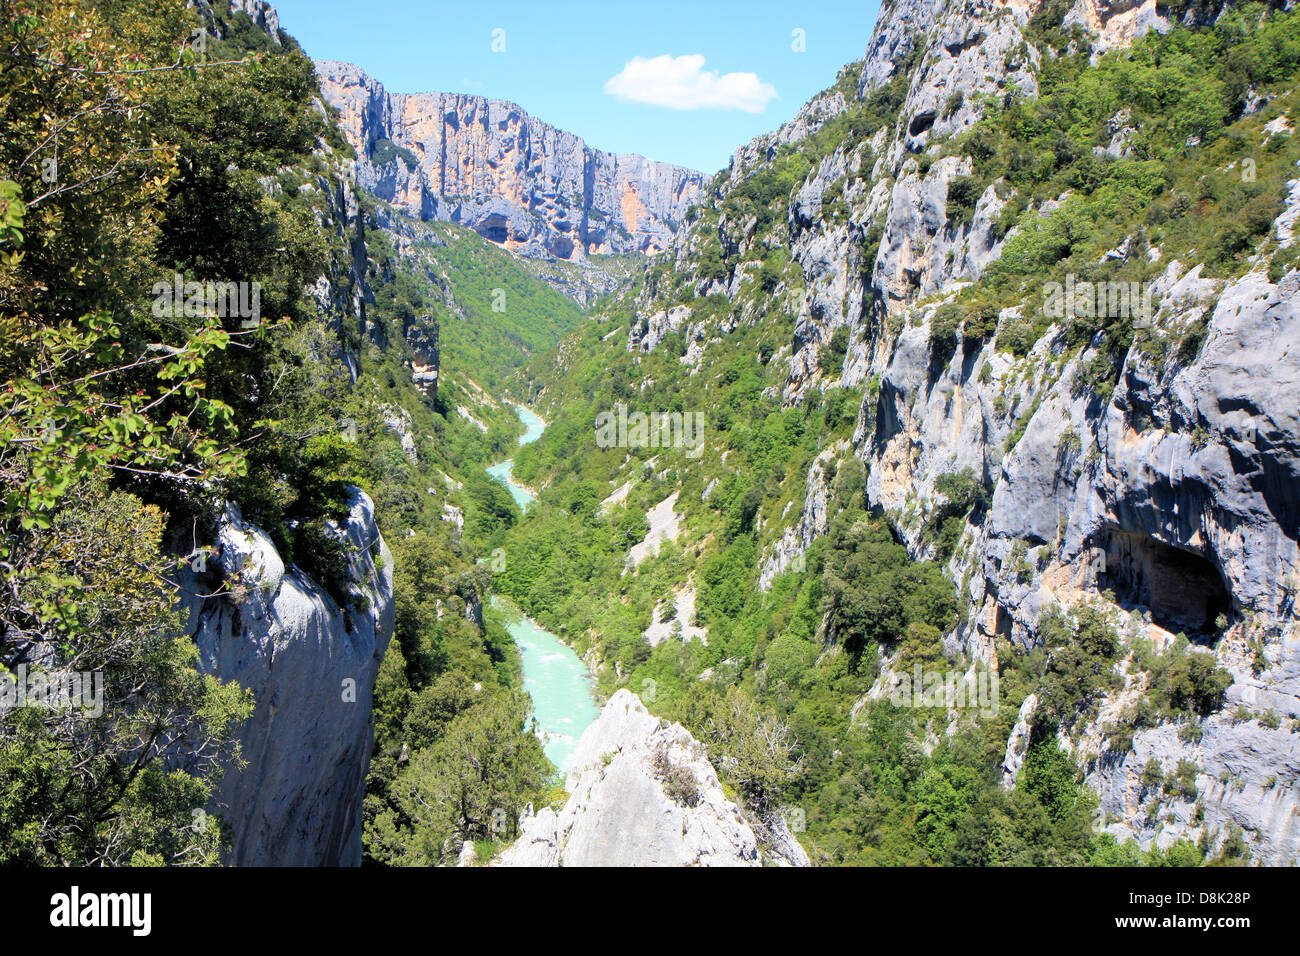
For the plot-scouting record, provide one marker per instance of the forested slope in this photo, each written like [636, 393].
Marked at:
[235, 507]
[918, 453]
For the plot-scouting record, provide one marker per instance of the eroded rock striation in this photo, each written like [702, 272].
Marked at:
[488, 165]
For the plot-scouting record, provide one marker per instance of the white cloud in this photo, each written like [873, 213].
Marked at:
[682, 83]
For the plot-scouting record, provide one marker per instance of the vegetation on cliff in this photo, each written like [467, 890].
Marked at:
[878, 782]
[139, 148]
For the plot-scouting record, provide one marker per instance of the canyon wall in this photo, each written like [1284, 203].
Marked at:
[488, 165]
[1171, 502]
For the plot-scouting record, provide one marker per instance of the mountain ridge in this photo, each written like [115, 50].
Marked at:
[490, 165]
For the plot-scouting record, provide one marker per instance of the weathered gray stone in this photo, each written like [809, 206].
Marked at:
[643, 793]
[311, 666]
[1018, 742]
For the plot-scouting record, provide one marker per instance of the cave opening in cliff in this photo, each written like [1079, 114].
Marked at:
[921, 122]
[1183, 590]
[494, 228]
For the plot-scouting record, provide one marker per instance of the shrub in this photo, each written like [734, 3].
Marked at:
[678, 782]
[832, 359]
[1153, 775]
[963, 195]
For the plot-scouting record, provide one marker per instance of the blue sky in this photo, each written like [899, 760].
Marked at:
[627, 77]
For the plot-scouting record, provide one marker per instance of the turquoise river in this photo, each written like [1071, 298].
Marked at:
[557, 680]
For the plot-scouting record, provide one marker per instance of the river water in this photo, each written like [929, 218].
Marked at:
[563, 704]
[503, 471]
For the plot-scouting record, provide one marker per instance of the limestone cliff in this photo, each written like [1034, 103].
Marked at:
[515, 180]
[1176, 506]
[220, 18]
[643, 793]
[311, 664]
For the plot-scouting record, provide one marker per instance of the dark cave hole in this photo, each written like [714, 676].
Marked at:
[493, 228]
[1183, 590]
[921, 122]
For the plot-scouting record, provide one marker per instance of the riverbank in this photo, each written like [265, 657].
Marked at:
[513, 612]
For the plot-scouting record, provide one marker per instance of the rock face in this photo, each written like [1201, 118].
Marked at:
[642, 793]
[259, 12]
[1171, 501]
[1197, 532]
[1018, 742]
[488, 165]
[1117, 22]
[311, 665]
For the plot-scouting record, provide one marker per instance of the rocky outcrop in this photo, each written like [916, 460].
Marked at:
[674, 617]
[1245, 777]
[1197, 529]
[1170, 501]
[422, 335]
[1117, 22]
[787, 552]
[311, 664]
[643, 793]
[260, 13]
[921, 252]
[1018, 742]
[398, 421]
[962, 51]
[1193, 472]
[488, 165]
[646, 335]
[811, 117]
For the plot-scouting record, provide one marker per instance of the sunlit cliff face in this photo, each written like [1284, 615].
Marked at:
[518, 182]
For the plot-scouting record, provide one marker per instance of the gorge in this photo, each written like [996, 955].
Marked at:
[554, 677]
[403, 571]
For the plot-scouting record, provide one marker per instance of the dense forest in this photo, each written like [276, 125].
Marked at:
[139, 147]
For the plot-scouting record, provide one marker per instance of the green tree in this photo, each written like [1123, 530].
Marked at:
[127, 785]
[471, 785]
[754, 749]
